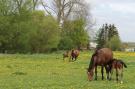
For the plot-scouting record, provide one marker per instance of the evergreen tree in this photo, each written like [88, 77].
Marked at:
[101, 37]
[108, 37]
[112, 31]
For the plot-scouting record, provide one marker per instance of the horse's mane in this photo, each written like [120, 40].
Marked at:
[92, 60]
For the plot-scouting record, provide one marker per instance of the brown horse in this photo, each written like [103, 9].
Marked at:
[118, 66]
[74, 55]
[101, 57]
[66, 54]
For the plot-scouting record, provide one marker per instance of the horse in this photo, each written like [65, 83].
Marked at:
[118, 66]
[66, 54]
[74, 54]
[101, 57]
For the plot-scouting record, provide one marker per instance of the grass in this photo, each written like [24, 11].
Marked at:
[49, 71]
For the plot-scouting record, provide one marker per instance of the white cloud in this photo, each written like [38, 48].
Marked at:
[123, 7]
[120, 12]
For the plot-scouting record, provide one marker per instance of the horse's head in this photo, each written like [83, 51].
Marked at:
[90, 74]
[91, 67]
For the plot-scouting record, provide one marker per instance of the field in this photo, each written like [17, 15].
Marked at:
[49, 71]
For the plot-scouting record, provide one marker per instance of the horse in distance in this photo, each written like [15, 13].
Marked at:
[74, 54]
[66, 54]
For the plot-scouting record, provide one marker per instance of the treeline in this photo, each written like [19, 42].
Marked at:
[26, 29]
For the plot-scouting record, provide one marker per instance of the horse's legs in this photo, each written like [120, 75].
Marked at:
[111, 73]
[95, 72]
[121, 76]
[117, 74]
[102, 71]
[70, 58]
[107, 71]
[75, 58]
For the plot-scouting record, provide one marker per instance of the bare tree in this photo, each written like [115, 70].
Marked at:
[35, 3]
[27, 4]
[67, 9]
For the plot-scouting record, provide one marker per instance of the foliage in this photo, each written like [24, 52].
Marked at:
[46, 33]
[74, 35]
[114, 43]
[100, 38]
[66, 43]
[25, 30]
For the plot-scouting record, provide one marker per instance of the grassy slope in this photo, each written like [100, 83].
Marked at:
[49, 71]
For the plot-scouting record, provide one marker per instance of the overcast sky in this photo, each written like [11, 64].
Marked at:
[118, 12]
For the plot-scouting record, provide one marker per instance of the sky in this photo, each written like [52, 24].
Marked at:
[118, 12]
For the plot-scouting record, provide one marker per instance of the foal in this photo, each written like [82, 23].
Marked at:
[118, 66]
[66, 54]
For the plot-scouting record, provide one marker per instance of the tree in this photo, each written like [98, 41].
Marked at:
[74, 36]
[112, 30]
[115, 43]
[67, 9]
[101, 39]
[66, 43]
[72, 16]
[107, 36]
[46, 33]
[24, 29]
[79, 34]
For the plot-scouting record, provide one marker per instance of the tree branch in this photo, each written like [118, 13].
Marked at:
[46, 7]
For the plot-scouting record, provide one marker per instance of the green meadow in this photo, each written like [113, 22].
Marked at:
[49, 71]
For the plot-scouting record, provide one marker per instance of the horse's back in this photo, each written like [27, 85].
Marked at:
[116, 63]
[105, 55]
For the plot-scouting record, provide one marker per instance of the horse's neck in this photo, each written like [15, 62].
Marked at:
[91, 65]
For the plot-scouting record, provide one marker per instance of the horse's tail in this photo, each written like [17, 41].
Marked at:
[124, 64]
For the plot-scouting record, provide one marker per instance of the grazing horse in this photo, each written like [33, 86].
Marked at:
[118, 66]
[101, 58]
[74, 55]
[66, 54]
